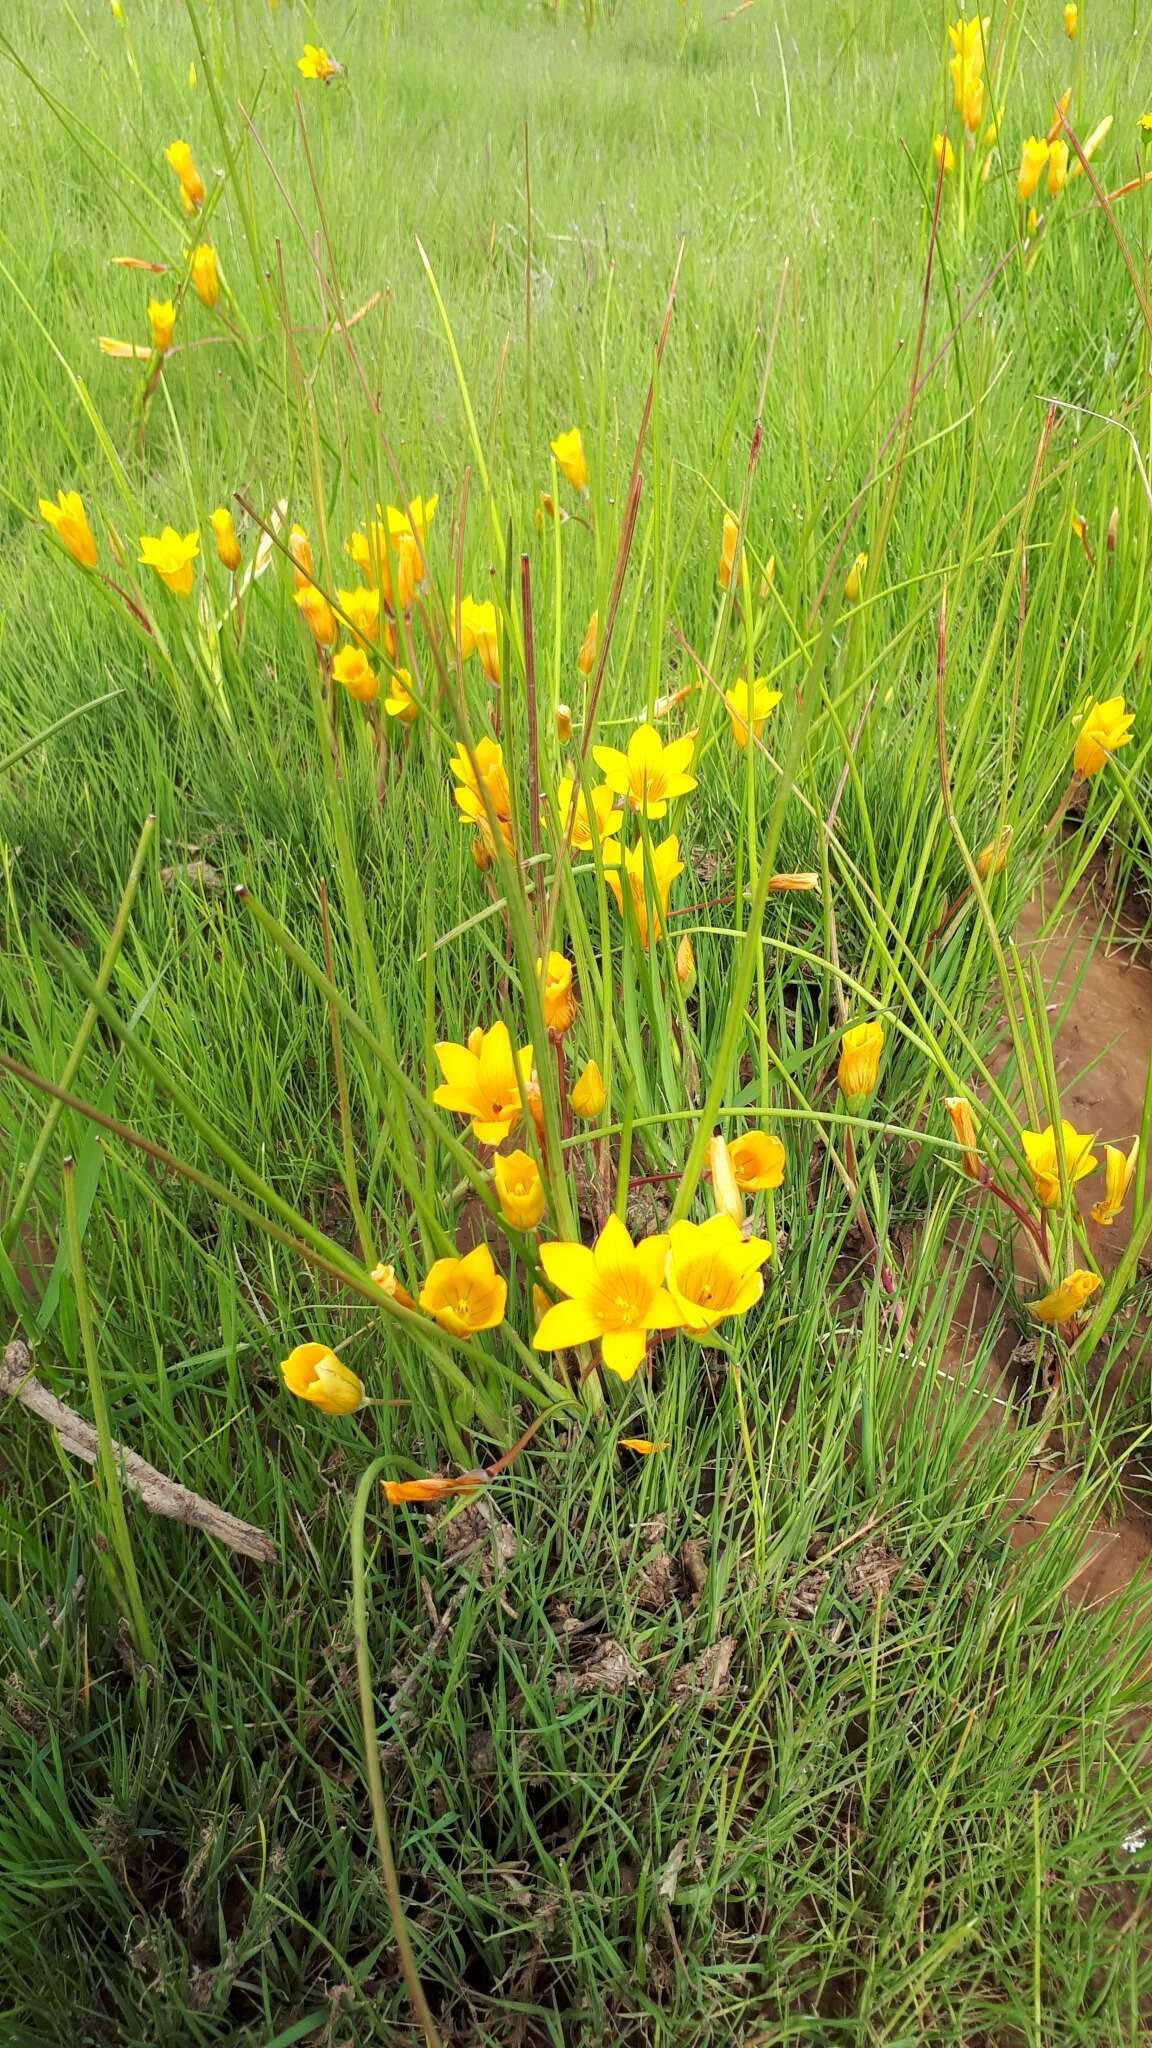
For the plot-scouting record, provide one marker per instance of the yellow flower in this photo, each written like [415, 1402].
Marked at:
[666, 865]
[191, 183]
[643, 1446]
[414, 523]
[860, 1050]
[483, 1081]
[588, 1096]
[1032, 161]
[465, 1294]
[300, 550]
[486, 780]
[757, 1161]
[764, 700]
[162, 321]
[204, 274]
[519, 1189]
[477, 630]
[853, 579]
[968, 39]
[1104, 729]
[1119, 1168]
[650, 774]
[587, 654]
[1044, 1160]
[568, 448]
[605, 819]
[972, 112]
[171, 555]
[942, 147]
[993, 858]
[563, 724]
[729, 536]
[964, 1131]
[616, 1294]
[400, 703]
[1145, 126]
[725, 1187]
[391, 559]
[685, 963]
[315, 1374]
[69, 522]
[316, 63]
[361, 608]
[1057, 167]
[558, 994]
[714, 1271]
[385, 1277]
[317, 613]
[352, 669]
[1066, 1299]
[224, 534]
[398, 1492]
[1071, 20]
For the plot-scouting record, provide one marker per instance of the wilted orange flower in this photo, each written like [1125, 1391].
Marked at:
[588, 1096]
[399, 1492]
[568, 448]
[483, 1081]
[587, 655]
[400, 703]
[69, 522]
[477, 630]
[204, 274]
[316, 63]
[466, 1294]
[729, 535]
[964, 1131]
[314, 1373]
[559, 996]
[1104, 729]
[224, 535]
[616, 1294]
[757, 1159]
[171, 555]
[650, 775]
[605, 819]
[519, 1189]
[162, 321]
[666, 864]
[1040, 1151]
[352, 669]
[714, 1271]
[1066, 1299]
[317, 614]
[993, 858]
[191, 183]
[643, 1446]
[385, 1277]
[860, 1050]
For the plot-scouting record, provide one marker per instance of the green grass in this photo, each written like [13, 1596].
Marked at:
[902, 1816]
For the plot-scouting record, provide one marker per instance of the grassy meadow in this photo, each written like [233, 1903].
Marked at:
[690, 1683]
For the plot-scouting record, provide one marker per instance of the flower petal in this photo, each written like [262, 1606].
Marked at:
[623, 1351]
[570, 1267]
[567, 1324]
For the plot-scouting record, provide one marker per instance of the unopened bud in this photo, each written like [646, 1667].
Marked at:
[964, 1131]
[725, 1191]
[781, 885]
[993, 858]
[768, 578]
[482, 854]
[685, 963]
[563, 724]
[1113, 529]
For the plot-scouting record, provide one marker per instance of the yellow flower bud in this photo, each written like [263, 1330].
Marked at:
[314, 1373]
[860, 1050]
[725, 1189]
[224, 534]
[317, 613]
[685, 963]
[853, 579]
[162, 320]
[519, 1189]
[588, 1096]
[964, 1131]
[587, 655]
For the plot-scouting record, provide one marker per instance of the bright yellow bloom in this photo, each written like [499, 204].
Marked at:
[860, 1050]
[315, 1374]
[942, 147]
[400, 703]
[643, 1446]
[666, 865]
[399, 1492]
[477, 631]
[568, 448]
[361, 608]
[972, 112]
[713, 1271]
[1044, 1160]
[191, 183]
[204, 274]
[316, 63]
[764, 700]
[483, 1081]
[615, 1293]
[605, 819]
[1033, 159]
[414, 523]
[1145, 126]
[853, 579]
[1057, 167]
[393, 560]
[519, 1189]
[354, 672]
[1119, 1168]
[69, 522]
[587, 655]
[968, 39]
[1104, 729]
[1071, 20]
[725, 1187]
[964, 1131]
[487, 779]
[588, 1096]
[757, 1161]
[650, 774]
[171, 555]
[162, 321]
[993, 858]
[558, 994]
[1098, 135]
[1066, 1299]
[465, 1294]
[730, 534]
[317, 613]
[224, 534]
[685, 963]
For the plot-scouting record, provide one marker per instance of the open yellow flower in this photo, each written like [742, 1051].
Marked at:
[352, 669]
[361, 609]
[1040, 1151]
[604, 821]
[483, 1081]
[390, 560]
[400, 703]
[477, 631]
[413, 523]
[1033, 159]
[224, 535]
[568, 448]
[588, 1095]
[316, 63]
[317, 613]
[314, 1373]
[964, 1131]
[860, 1050]
[204, 274]
[558, 994]
[757, 1161]
[650, 775]
[1104, 729]
[853, 580]
[729, 535]
[465, 1294]
[586, 658]
[1066, 1299]
[162, 321]
[714, 1271]
[764, 700]
[519, 1189]
[182, 162]
[666, 865]
[942, 147]
[616, 1295]
[968, 40]
[1144, 124]
[171, 554]
[486, 780]
[69, 522]
[1119, 1168]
